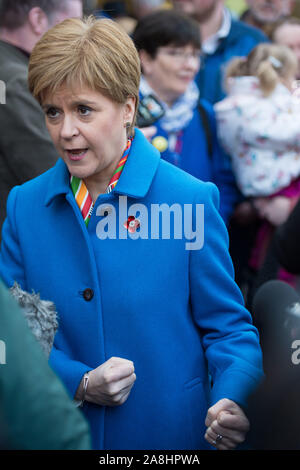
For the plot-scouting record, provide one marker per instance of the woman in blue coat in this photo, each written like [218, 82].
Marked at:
[169, 47]
[132, 250]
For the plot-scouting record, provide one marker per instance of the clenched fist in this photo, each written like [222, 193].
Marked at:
[227, 425]
[110, 383]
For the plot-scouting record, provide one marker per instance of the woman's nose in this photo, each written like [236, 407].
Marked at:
[191, 63]
[68, 128]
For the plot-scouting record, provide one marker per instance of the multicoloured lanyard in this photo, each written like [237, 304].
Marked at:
[117, 173]
[82, 195]
[83, 198]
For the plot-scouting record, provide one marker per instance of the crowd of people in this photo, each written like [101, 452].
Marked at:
[113, 109]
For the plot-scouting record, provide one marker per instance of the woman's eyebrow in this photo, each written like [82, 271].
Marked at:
[74, 103]
[83, 101]
[47, 106]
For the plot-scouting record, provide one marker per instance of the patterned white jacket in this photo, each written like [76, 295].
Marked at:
[261, 134]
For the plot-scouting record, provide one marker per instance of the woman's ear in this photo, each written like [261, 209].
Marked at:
[129, 109]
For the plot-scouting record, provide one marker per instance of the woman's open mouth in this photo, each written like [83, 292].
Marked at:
[76, 154]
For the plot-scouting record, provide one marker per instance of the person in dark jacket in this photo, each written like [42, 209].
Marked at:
[26, 149]
[36, 413]
[286, 242]
[222, 38]
[169, 47]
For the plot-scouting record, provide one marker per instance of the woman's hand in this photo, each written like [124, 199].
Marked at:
[228, 420]
[275, 210]
[110, 383]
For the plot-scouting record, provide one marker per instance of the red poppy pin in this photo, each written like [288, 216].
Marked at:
[132, 224]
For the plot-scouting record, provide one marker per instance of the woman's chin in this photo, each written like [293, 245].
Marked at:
[81, 173]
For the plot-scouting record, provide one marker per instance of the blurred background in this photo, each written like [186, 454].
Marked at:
[131, 7]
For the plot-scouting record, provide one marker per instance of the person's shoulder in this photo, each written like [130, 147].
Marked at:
[13, 63]
[37, 187]
[181, 184]
[241, 29]
[208, 107]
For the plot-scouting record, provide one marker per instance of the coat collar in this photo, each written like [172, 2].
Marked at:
[136, 177]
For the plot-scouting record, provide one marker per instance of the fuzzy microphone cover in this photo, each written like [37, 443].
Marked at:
[41, 316]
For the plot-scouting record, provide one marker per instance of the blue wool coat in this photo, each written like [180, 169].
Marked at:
[195, 158]
[175, 312]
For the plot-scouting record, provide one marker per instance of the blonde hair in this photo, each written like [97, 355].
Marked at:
[270, 63]
[93, 53]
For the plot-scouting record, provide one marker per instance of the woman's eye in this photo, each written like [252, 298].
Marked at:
[84, 110]
[175, 52]
[52, 113]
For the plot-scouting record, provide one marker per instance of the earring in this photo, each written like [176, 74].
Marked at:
[127, 125]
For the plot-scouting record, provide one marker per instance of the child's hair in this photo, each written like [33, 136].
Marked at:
[270, 63]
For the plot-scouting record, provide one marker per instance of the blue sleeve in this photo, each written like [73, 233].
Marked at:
[70, 371]
[223, 175]
[229, 339]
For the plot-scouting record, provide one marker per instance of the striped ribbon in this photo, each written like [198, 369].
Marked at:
[82, 195]
[117, 173]
[83, 198]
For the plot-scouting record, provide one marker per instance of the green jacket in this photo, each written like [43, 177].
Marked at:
[26, 149]
[35, 409]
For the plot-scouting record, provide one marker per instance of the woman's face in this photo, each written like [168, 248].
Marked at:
[88, 131]
[171, 71]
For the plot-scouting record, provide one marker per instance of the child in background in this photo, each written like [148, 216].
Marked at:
[259, 127]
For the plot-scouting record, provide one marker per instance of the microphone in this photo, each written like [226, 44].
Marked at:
[275, 298]
[276, 313]
[272, 408]
[40, 314]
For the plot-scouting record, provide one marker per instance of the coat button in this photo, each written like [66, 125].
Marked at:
[88, 294]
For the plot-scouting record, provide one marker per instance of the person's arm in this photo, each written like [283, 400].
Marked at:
[229, 339]
[224, 178]
[35, 410]
[12, 270]
[111, 382]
